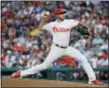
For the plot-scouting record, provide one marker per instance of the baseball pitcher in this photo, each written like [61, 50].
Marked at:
[60, 31]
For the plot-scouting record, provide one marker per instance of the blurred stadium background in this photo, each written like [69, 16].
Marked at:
[23, 46]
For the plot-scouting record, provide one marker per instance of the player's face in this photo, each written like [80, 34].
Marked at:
[61, 16]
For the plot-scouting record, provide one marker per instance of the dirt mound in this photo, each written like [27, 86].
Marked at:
[7, 82]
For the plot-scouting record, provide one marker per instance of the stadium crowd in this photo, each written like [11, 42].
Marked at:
[24, 46]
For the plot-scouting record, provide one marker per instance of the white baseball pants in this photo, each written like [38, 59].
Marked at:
[57, 52]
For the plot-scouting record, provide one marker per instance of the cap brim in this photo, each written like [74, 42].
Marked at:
[62, 12]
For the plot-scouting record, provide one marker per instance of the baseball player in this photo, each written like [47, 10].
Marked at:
[60, 31]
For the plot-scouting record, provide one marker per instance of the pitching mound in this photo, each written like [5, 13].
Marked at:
[6, 82]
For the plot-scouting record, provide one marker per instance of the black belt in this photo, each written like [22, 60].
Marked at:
[60, 46]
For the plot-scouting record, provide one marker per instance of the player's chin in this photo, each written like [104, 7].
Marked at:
[62, 18]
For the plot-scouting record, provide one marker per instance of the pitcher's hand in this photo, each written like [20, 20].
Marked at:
[45, 15]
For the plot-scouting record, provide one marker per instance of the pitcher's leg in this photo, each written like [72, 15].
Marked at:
[72, 52]
[54, 54]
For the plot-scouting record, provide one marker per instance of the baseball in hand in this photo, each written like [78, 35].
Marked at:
[47, 13]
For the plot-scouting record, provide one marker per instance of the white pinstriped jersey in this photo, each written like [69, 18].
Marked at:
[61, 30]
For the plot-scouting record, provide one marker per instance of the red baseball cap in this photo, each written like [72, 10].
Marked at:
[59, 11]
